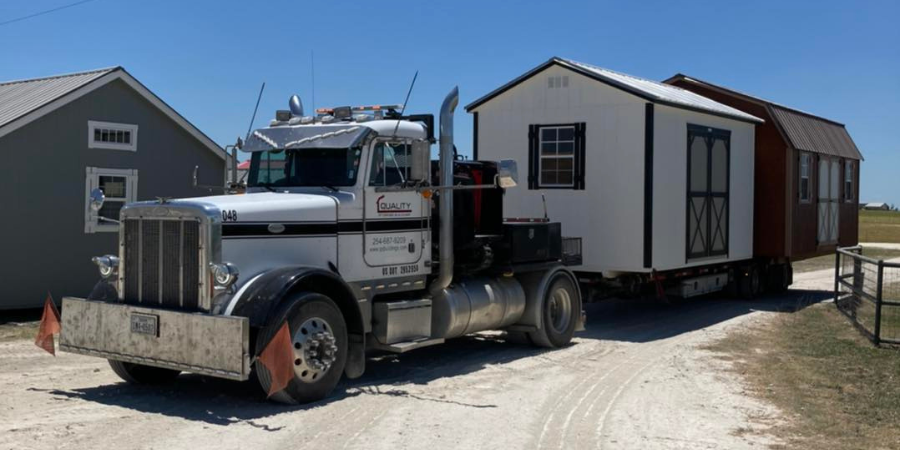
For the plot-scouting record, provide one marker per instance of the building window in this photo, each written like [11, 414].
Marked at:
[112, 136]
[119, 186]
[848, 181]
[556, 156]
[804, 177]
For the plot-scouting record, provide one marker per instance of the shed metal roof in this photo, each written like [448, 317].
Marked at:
[802, 130]
[23, 101]
[650, 90]
[18, 98]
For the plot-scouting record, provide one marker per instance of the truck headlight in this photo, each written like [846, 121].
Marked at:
[224, 274]
[108, 265]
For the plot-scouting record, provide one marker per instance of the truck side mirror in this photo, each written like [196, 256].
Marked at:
[196, 174]
[97, 199]
[420, 161]
[507, 173]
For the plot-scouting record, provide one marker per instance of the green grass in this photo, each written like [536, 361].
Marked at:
[836, 390]
[879, 226]
[827, 261]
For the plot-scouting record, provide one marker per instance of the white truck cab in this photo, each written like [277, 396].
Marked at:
[348, 233]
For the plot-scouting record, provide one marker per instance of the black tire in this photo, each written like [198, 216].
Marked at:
[140, 374]
[517, 337]
[561, 310]
[298, 310]
[749, 283]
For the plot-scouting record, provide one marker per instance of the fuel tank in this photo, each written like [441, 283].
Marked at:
[476, 304]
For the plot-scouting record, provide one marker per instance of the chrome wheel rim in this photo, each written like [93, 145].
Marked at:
[560, 310]
[315, 350]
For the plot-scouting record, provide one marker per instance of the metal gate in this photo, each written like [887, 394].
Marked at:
[867, 291]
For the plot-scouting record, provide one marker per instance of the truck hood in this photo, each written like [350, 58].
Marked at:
[272, 207]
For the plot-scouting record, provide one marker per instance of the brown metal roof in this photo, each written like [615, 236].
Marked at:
[804, 131]
[812, 134]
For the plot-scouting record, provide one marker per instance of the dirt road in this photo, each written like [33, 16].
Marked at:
[635, 379]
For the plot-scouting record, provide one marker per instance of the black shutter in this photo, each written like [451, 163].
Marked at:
[532, 156]
[579, 156]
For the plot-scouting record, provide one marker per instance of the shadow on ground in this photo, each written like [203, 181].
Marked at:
[221, 402]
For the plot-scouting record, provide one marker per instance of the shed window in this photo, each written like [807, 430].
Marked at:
[556, 156]
[804, 177]
[112, 136]
[119, 186]
[848, 181]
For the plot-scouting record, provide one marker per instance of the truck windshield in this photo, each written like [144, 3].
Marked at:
[305, 167]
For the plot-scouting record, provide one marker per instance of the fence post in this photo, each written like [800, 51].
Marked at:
[837, 275]
[878, 293]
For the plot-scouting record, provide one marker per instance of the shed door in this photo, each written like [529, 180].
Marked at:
[708, 191]
[829, 185]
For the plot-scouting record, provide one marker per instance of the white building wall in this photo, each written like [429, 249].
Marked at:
[670, 187]
[608, 213]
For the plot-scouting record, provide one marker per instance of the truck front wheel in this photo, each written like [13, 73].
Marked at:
[140, 374]
[319, 336]
[561, 310]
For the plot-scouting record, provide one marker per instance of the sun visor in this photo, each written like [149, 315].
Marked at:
[334, 136]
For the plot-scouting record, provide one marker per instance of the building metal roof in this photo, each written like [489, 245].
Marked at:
[23, 101]
[18, 98]
[802, 130]
[649, 90]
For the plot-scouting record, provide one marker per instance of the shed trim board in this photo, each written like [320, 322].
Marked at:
[117, 73]
[631, 210]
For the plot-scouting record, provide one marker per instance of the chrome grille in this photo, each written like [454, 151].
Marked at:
[161, 262]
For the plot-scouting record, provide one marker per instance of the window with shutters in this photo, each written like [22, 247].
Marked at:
[556, 156]
[708, 166]
[848, 182]
[804, 177]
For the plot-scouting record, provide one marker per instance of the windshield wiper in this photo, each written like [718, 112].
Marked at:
[333, 189]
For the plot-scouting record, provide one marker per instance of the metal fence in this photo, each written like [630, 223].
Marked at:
[867, 291]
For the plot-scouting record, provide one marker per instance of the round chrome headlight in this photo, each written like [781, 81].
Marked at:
[107, 264]
[224, 274]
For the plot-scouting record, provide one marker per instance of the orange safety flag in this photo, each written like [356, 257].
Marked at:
[49, 326]
[278, 359]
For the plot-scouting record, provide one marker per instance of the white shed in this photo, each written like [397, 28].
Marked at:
[613, 154]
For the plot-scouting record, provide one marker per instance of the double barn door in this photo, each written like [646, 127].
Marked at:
[829, 193]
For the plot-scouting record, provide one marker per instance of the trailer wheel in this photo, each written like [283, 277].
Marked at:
[749, 283]
[319, 334]
[141, 374]
[560, 314]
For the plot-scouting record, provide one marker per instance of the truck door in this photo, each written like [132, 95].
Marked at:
[394, 222]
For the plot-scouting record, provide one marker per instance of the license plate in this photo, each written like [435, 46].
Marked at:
[145, 324]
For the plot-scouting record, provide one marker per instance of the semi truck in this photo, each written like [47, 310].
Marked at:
[348, 233]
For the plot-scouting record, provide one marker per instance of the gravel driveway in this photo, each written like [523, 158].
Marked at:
[637, 378]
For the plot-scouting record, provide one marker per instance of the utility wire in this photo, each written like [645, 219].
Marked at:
[41, 13]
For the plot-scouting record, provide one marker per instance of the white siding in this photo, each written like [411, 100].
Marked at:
[608, 214]
[670, 187]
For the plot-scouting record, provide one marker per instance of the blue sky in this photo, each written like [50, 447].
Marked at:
[207, 59]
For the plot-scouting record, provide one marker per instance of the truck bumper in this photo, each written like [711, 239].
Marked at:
[192, 342]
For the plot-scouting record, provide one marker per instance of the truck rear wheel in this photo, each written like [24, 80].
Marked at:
[561, 310]
[319, 335]
[140, 374]
[749, 282]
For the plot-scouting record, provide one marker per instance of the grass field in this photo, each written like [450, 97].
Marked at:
[836, 390]
[827, 261]
[879, 226]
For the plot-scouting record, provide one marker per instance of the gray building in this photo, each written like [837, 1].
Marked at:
[62, 136]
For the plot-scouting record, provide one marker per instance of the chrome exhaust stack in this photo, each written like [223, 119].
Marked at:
[445, 258]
